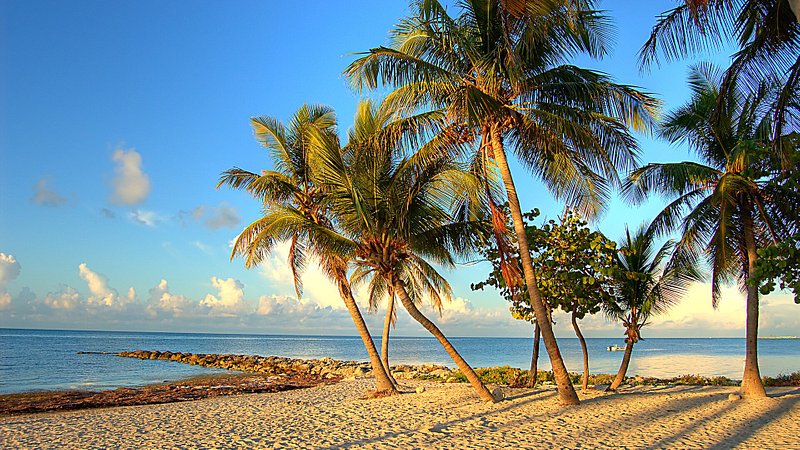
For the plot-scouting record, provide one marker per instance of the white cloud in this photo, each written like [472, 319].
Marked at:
[202, 247]
[5, 300]
[9, 271]
[131, 184]
[144, 217]
[101, 294]
[44, 196]
[316, 285]
[9, 268]
[161, 300]
[67, 299]
[229, 300]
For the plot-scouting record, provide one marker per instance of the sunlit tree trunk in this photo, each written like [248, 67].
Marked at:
[462, 365]
[752, 386]
[566, 391]
[534, 373]
[623, 368]
[795, 5]
[383, 383]
[387, 324]
[585, 379]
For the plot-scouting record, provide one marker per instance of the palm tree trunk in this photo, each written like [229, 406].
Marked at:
[387, 324]
[623, 368]
[585, 379]
[462, 365]
[752, 386]
[533, 377]
[566, 391]
[383, 383]
[795, 5]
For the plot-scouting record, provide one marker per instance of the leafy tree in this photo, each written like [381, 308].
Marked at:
[499, 73]
[646, 285]
[574, 273]
[724, 206]
[768, 36]
[393, 212]
[287, 191]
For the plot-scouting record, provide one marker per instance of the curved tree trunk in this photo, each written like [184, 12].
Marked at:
[566, 391]
[585, 379]
[533, 375]
[623, 368]
[387, 324]
[383, 383]
[462, 365]
[752, 386]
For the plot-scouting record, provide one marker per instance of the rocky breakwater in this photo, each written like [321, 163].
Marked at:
[325, 368]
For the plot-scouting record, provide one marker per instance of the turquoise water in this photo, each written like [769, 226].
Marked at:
[32, 360]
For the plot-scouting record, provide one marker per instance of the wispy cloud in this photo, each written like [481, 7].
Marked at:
[43, 195]
[144, 217]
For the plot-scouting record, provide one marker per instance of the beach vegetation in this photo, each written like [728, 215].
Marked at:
[500, 73]
[575, 274]
[648, 282]
[287, 192]
[724, 206]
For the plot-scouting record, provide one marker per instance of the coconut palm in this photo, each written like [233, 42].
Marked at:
[394, 213]
[768, 36]
[723, 205]
[498, 72]
[646, 286]
[288, 190]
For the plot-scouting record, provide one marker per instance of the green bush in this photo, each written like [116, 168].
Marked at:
[792, 379]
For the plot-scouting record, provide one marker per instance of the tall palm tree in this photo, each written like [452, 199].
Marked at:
[723, 205]
[646, 286]
[768, 36]
[288, 190]
[394, 213]
[498, 72]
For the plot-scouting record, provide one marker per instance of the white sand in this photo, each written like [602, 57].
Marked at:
[444, 416]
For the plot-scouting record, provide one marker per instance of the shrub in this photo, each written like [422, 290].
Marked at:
[792, 379]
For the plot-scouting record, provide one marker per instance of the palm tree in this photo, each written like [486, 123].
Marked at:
[768, 36]
[723, 205]
[646, 286]
[394, 212]
[287, 191]
[498, 73]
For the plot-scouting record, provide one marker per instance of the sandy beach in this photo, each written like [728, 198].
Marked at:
[443, 416]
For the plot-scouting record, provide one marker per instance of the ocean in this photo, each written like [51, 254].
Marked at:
[37, 360]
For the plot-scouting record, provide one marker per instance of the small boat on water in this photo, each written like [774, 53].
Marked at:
[615, 348]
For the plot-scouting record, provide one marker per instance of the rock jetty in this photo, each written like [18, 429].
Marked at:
[325, 368]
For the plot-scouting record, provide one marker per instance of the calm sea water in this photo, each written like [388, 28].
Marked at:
[32, 360]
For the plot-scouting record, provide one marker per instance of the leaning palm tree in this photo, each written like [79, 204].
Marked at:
[646, 286]
[498, 72]
[393, 213]
[723, 205]
[288, 190]
[767, 33]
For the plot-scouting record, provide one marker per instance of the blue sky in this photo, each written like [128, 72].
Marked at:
[116, 119]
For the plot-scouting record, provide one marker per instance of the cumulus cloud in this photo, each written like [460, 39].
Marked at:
[316, 285]
[131, 185]
[163, 301]
[66, 299]
[101, 294]
[229, 300]
[45, 196]
[9, 271]
[144, 217]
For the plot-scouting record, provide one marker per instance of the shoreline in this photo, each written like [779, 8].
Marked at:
[273, 374]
